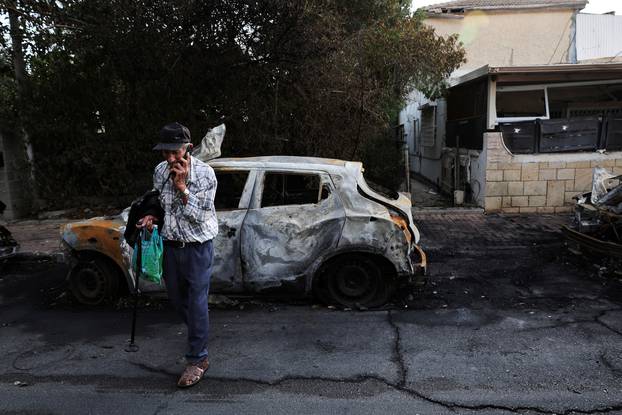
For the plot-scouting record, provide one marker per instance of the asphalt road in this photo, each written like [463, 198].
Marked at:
[509, 324]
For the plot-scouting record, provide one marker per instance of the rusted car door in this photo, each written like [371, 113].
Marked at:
[294, 218]
[235, 187]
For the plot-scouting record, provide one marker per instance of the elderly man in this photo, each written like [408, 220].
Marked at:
[187, 188]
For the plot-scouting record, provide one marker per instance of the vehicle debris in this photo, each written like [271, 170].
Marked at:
[596, 231]
[221, 301]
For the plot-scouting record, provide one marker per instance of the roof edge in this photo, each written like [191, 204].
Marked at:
[487, 70]
[437, 9]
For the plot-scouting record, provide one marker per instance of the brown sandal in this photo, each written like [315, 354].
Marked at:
[193, 374]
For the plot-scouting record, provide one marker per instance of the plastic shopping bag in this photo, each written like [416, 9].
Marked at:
[152, 250]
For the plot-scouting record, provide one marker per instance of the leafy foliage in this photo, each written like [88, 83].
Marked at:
[319, 77]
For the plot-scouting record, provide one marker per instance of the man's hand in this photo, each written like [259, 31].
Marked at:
[180, 168]
[147, 222]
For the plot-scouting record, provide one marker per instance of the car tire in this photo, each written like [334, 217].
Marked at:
[356, 281]
[94, 281]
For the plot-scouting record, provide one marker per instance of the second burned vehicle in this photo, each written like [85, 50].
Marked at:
[295, 224]
[596, 231]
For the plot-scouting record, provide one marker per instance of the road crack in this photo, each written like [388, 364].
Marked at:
[398, 357]
[594, 319]
[602, 314]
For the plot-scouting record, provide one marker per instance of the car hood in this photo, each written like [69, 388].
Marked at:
[101, 234]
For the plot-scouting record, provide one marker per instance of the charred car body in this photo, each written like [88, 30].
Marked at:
[295, 224]
[597, 228]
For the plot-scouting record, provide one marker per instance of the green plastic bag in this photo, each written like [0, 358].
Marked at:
[152, 250]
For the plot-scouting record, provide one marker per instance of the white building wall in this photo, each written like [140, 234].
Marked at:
[410, 118]
[510, 37]
[424, 160]
[477, 179]
[598, 36]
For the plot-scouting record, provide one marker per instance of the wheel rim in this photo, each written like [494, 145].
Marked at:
[354, 283]
[89, 284]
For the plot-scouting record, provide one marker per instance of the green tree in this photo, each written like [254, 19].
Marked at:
[320, 77]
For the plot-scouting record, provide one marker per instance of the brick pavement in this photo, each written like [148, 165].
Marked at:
[455, 229]
[424, 196]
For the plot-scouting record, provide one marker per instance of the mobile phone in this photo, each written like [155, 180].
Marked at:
[186, 157]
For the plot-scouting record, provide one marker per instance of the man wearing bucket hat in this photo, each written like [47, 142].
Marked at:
[187, 189]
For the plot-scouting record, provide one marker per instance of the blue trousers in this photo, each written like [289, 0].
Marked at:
[187, 274]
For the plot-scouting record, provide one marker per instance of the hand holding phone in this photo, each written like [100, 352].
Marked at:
[175, 165]
[179, 171]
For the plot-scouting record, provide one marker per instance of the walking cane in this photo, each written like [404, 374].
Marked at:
[133, 347]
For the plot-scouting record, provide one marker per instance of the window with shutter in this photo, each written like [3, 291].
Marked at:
[428, 127]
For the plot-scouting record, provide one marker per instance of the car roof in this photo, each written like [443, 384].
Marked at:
[286, 162]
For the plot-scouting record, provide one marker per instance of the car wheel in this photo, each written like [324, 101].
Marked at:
[358, 281]
[93, 281]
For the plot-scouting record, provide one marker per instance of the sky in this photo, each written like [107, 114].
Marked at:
[594, 6]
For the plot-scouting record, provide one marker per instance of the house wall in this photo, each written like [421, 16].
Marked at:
[497, 38]
[409, 117]
[507, 38]
[424, 160]
[478, 176]
[543, 183]
[599, 37]
[473, 164]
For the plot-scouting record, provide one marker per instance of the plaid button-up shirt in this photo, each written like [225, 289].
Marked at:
[196, 220]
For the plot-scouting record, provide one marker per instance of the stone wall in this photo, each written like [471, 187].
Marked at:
[539, 183]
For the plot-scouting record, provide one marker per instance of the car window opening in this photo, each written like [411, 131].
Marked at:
[230, 187]
[281, 189]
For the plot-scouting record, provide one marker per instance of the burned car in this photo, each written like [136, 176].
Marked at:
[286, 224]
[597, 227]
